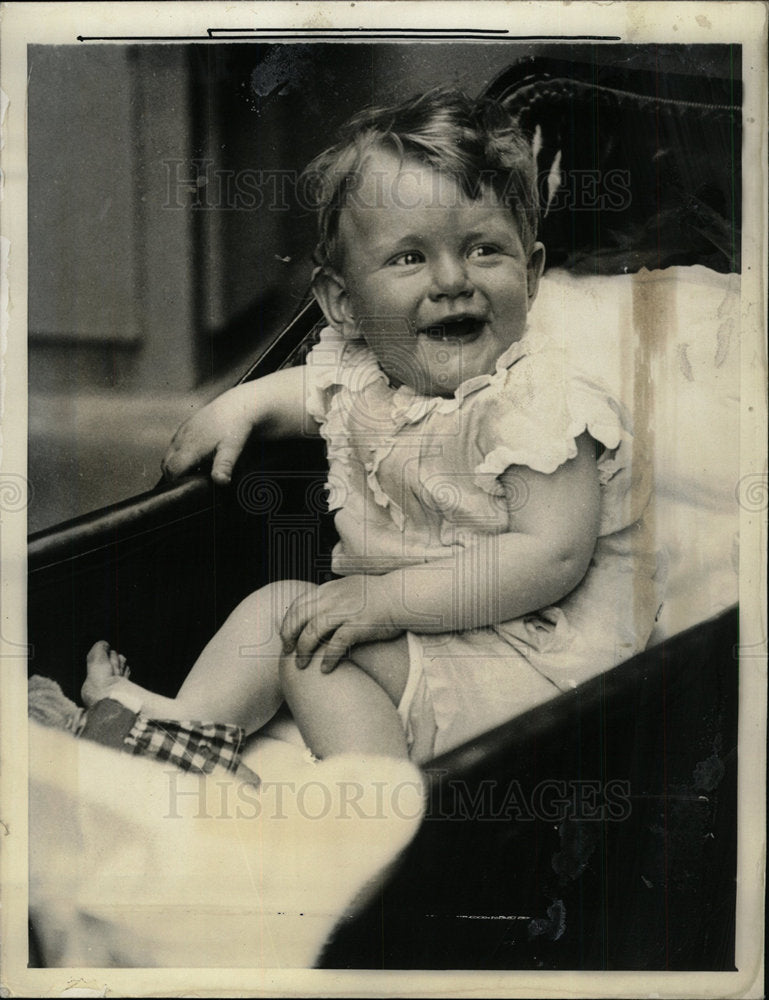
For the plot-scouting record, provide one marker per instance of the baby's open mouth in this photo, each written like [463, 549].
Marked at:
[462, 328]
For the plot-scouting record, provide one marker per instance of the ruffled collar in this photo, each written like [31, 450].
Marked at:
[361, 369]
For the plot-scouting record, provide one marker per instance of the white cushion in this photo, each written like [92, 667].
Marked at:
[667, 343]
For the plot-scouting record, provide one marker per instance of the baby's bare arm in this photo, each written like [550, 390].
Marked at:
[274, 404]
[544, 555]
[553, 522]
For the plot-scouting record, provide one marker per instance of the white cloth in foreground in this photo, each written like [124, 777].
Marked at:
[134, 863]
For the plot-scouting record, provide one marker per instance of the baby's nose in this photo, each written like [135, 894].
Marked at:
[450, 279]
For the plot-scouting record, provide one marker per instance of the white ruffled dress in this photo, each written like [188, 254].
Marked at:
[414, 478]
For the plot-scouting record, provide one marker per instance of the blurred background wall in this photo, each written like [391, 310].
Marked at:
[165, 238]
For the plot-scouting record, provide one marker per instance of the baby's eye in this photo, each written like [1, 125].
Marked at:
[407, 258]
[484, 250]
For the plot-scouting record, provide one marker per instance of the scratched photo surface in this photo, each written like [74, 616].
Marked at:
[589, 820]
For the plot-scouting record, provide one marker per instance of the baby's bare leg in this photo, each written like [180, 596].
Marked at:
[354, 708]
[236, 676]
[235, 679]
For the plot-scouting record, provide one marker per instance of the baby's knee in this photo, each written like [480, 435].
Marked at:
[272, 600]
[282, 593]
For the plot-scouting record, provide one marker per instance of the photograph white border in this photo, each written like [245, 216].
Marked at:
[680, 22]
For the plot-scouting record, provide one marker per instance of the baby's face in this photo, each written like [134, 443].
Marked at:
[439, 285]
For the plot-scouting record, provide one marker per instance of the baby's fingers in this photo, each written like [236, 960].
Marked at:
[338, 646]
[181, 456]
[226, 455]
[305, 627]
[310, 638]
[298, 614]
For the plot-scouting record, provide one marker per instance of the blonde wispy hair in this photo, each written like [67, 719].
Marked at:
[474, 142]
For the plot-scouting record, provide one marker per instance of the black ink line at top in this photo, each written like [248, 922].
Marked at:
[421, 31]
[348, 34]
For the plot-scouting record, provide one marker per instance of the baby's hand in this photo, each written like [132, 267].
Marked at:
[220, 429]
[339, 615]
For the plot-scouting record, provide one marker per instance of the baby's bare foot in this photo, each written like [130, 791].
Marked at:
[105, 668]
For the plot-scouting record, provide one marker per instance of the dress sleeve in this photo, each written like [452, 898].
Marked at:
[534, 418]
[538, 410]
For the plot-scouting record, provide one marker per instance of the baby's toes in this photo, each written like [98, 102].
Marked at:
[99, 659]
[99, 672]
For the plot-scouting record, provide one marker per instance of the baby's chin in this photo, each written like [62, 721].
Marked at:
[444, 383]
[432, 366]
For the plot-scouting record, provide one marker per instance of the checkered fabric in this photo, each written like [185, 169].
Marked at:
[191, 746]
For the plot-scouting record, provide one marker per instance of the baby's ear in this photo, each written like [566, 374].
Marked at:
[329, 289]
[534, 269]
